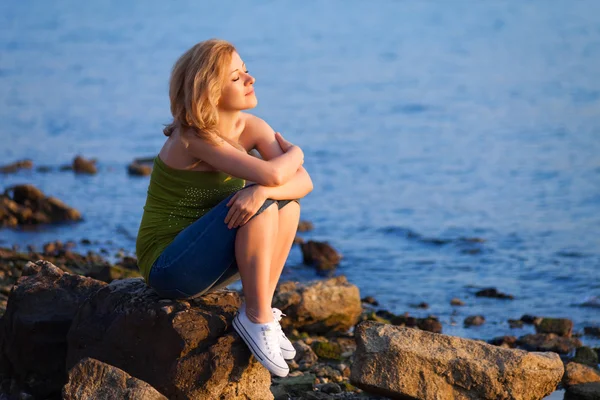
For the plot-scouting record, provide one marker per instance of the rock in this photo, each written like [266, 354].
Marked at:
[494, 293]
[327, 350]
[548, 342]
[43, 168]
[560, 326]
[83, 166]
[576, 374]
[331, 305]
[331, 388]
[474, 320]
[592, 331]
[305, 226]
[91, 379]
[320, 254]
[456, 302]
[39, 313]
[29, 206]
[17, 165]
[185, 349]
[370, 300]
[431, 323]
[515, 323]
[298, 240]
[407, 363]
[305, 356]
[509, 342]
[586, 355]
[585, 391]
[139, 169]
[530, 319]
[292, 386]
[421, 305]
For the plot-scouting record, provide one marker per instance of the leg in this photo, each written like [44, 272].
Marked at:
[254, 246]
[289, 216]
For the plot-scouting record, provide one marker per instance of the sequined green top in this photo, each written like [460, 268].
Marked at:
[176, 198]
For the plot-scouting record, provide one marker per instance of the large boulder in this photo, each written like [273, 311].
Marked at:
[91, 379]
[407, 363]
[186, 349]
[576, 374]
[40, 309]
[319, 307]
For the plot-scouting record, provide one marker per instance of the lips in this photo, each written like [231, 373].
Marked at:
[249, 93]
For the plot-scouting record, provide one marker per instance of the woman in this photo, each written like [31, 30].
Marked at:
[203, 227]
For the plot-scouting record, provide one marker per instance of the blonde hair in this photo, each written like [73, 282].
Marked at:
[195, 88]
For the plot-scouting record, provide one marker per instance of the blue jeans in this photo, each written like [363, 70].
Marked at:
[201, 258]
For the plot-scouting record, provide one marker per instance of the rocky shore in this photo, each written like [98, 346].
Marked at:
[62, 327]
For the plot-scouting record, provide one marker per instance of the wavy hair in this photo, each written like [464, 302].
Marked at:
[195, 88]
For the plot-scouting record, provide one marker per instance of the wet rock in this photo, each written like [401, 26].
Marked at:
[305, 356]
[17, 165]
[457, 302]
[548, 342]
[305, 226]
[592, 331]
[423, 365]
[586, 355]
[370, 300]
[91, 379]
[320, 254]
[474, 320]
[327, 350]
[331, 305]
[494, 293]
[530, 319]
[186, 349]
[39, 313]
[560, 326]
[515, 323]
[585, 391]
[83, 166]
[421, 305]
[29, 206]
[509, 342]
[331, 388]
[576, 374]
[298, 240]
[293, 386]
[139, 169]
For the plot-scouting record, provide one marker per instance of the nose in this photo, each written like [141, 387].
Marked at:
[250, 79]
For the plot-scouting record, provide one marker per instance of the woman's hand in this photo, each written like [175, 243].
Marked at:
[287, 146]
[243, 205]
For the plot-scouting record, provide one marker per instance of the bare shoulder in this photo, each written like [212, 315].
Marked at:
[255, 129]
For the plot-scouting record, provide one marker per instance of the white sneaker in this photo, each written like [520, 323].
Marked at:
[287, 348]
[263, 341]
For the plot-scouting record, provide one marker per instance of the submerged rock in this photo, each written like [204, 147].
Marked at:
[320, 254]
[548, 342]
[494, 293]
[407, 363]
[560, 326]
[15, 166]
[84, 166]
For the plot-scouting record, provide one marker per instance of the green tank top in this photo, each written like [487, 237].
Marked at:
[176, 198]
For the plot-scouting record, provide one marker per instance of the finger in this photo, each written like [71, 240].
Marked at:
[229, 215]
[232, 199]
[244, 219]
[234, 218]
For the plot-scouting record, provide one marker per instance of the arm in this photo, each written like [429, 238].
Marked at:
[262, 137]
[226, 158]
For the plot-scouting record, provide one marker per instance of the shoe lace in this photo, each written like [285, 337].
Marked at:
[277, 315]
[269, 335]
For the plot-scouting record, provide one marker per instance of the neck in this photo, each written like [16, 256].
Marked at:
[227, 122]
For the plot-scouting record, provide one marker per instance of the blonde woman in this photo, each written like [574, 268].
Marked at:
[203, 226]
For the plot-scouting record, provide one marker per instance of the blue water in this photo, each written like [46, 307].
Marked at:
[424, 124]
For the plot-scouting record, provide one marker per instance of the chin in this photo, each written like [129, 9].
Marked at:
[252, 103]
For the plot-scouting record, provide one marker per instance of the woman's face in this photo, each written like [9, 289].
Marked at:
[238, 91]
